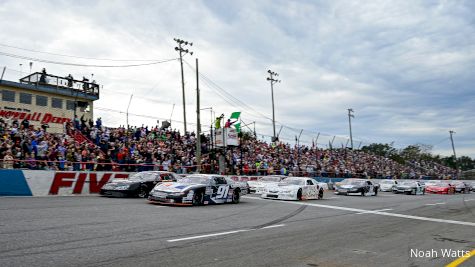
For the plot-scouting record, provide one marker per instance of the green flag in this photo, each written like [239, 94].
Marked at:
[235, 115]
[238, 127]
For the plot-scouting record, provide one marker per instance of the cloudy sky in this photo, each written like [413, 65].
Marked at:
[407, 68]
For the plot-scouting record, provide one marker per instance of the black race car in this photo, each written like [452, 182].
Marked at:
[197, 189]
[138, 185]
[356, 186]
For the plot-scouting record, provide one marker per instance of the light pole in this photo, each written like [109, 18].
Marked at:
[272, 81]
[453, 149]
[127, 113]
[211, 125]
[350, 115]
[183, 52]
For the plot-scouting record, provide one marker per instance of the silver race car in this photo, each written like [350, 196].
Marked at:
[387, 185]
[410, 188]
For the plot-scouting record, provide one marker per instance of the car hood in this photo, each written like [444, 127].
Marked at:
[176, 187]
[405, 186]
[118, 182]
[437, 187]
[349, 186]
[281, 187]
[260, 184]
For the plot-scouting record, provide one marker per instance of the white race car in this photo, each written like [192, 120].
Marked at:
[258, 186]
[387, 185]
[294, 188]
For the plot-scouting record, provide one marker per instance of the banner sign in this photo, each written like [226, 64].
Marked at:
[35, 116]
[226, 137]
[63, 183]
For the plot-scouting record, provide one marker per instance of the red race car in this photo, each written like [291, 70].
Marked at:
[440, 188]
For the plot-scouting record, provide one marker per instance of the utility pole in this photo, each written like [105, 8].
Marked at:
[298, 151]
[183, 52]
[453, 149]
[350, 115]
[127, 113]
[272, 81]
[198, 127]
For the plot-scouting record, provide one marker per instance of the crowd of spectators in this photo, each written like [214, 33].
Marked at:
[88, 145]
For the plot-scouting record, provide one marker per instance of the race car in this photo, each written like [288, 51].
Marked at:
[361, 187]
[138, 185]
[462, 187]
[197, 189]
[387, 185]
[258, 186]
[243, 185]
[410, 188]
[472, 185]
[440, 188]
[294, 188]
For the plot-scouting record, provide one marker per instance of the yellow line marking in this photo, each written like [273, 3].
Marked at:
[460, 260]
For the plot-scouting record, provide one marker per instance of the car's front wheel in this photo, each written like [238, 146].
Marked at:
[299, 194]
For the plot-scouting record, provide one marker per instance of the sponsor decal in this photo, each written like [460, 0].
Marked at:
[42, 118]
[76, 180]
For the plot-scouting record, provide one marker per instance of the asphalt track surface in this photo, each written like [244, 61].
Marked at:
[336, 231]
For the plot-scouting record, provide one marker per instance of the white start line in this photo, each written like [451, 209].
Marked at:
[223, 233]
[373, 210]
[433, 204]
[370, 212]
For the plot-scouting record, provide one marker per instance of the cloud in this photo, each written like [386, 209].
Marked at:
[405, 67]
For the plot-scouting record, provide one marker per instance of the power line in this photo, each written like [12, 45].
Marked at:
[63, 55]
[138, 115]
[84, 65]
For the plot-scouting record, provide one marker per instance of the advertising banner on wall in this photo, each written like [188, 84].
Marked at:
[63, 183]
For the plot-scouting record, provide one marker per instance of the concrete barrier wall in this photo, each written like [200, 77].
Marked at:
[44, 183]
[64, 183]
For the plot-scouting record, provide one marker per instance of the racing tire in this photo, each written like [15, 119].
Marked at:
[375, 191]
[236, 197]
[142, 192]
[320, 194]
[363, 192]
[197, 199]
[299, 194]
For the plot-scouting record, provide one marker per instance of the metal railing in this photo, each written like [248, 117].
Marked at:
[39, 78]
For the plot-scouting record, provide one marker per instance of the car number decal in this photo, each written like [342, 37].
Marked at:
[222, 191]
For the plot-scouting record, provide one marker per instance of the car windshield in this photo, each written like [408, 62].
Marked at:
[142, 176]
[270, 179]
[293, 182]
[195, 180]
[353, 182]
